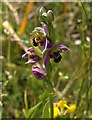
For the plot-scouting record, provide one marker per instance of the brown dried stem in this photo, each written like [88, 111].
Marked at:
[11, 32]
[13, 9]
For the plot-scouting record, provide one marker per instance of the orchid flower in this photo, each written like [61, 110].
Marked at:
[39, 36]
[30, 54]
[55, 53]
[38, 72]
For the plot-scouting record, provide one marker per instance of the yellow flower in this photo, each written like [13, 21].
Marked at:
[62, 104]
[71, 108]
[56, 111]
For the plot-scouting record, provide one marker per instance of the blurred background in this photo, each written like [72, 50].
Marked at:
[72, 82]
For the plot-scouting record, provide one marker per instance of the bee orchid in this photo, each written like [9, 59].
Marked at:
[39, 37]
[30, 54]
[55, 53]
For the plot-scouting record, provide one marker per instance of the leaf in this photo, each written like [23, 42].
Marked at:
[42, 18]
[49, 86]
[51, 32]
[42, 10]
[50, 16]
[0, 113]
[44, 96]
[45, 113]
[49, 70]
[31, 110]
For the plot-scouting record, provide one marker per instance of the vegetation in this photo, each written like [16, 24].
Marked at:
[23, 95]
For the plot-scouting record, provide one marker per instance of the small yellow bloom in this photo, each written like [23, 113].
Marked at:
[66, 106]
[71, 108]
[56, 111]
[62, 103]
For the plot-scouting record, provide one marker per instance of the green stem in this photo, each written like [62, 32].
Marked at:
[56, 71]
[25, 100]
[80, 92]
[8, 51]
[51, 106]
[85, 13]
[83, 47]
[49, 89]
[82, 38]
[49, 82]
[84, 10]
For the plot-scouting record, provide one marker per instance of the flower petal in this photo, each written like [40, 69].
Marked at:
[39, 29]
[49, 44]
[33, 61]
[61, 103]
[39, 73]
[63, 48]
[45, 27]
[72, 108]
[55, 111]
[31, 50]
[26, 55]
[44, 45]
[46, 59]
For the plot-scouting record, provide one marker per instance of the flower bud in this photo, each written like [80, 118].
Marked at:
[38, 73]
[50, 16]
[43, 18]
[42, 10]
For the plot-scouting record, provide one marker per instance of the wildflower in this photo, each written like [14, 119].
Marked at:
[33, 60]
[54, 52]
[30, 54]
[38, 73]
[56, 112]
[62, 103]
[71, 108]
[39, 37]
[62, 108]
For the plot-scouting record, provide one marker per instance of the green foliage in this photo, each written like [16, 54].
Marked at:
[45, 113]
[32, 111]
